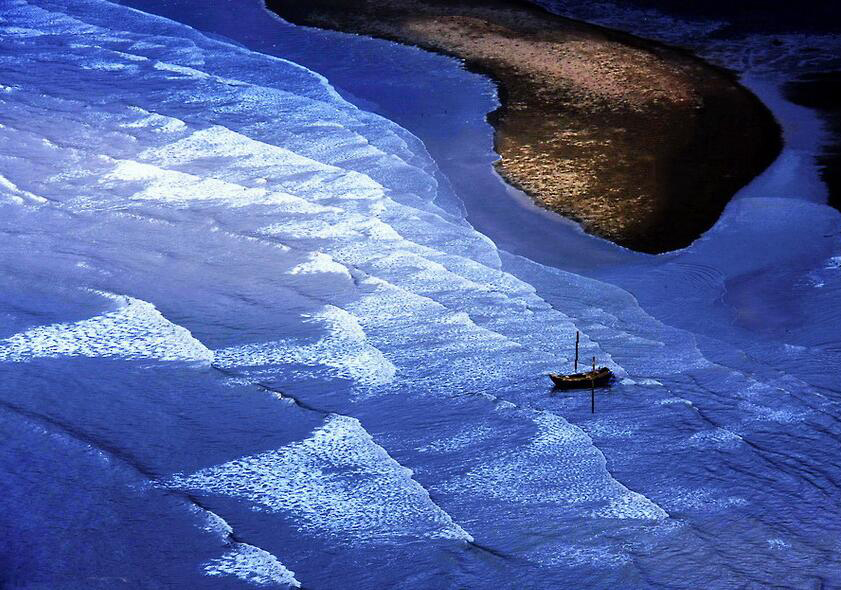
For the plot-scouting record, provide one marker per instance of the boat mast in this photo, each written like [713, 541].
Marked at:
[577, 335]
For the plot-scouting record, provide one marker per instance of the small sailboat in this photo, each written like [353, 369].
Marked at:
[597, 377]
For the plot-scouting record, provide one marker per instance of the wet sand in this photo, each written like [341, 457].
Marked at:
[641, 143]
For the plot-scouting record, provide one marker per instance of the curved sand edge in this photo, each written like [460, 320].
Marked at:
[642, 143]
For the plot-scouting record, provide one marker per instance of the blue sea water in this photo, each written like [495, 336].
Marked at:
[269, 318]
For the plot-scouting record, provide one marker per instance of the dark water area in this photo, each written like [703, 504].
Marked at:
[822, 92]
[767, 16]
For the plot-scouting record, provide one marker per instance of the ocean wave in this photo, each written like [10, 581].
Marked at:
[338, 482]
[244, 561]
[253, 565]
[345, 349]
[120, 479]
[571, 474]
[135, 330]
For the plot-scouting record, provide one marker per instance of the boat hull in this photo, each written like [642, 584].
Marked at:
[599, 378]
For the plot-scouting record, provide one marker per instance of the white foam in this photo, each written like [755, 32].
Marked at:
[295, 172]
[170, 185]
[761, 413]
[674, 400]
[253, 565]
[345, 350]
[566, 554]
[181, 188]
[135, 330]
[244, 561]
[631, 505]
[703, 500]
[107, 66]
[18, 195]
[612, 428]
[214, 523]
[461, 440]
[22, 32]
[561, 467]
[337, 482]
[643, 381]
[320, 263]
[715, 438]
[131, 56]
[183, 70]
[158, 122]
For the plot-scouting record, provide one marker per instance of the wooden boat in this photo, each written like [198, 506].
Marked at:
[591, 379]
[596, 378]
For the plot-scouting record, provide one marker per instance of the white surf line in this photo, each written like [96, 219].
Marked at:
[326, 95]
[18, 195]
[135, 330]
[235, 561]
[546, 421]
[246, 562]
[338, 482]
[458, 533]
[345, 350]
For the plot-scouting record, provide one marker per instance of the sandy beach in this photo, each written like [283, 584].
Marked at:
[641, 143]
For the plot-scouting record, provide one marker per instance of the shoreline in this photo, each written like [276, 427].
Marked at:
[642, 144]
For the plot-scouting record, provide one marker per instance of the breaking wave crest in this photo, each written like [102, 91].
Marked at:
[135, 330]
[338, 482]
[244, 561]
